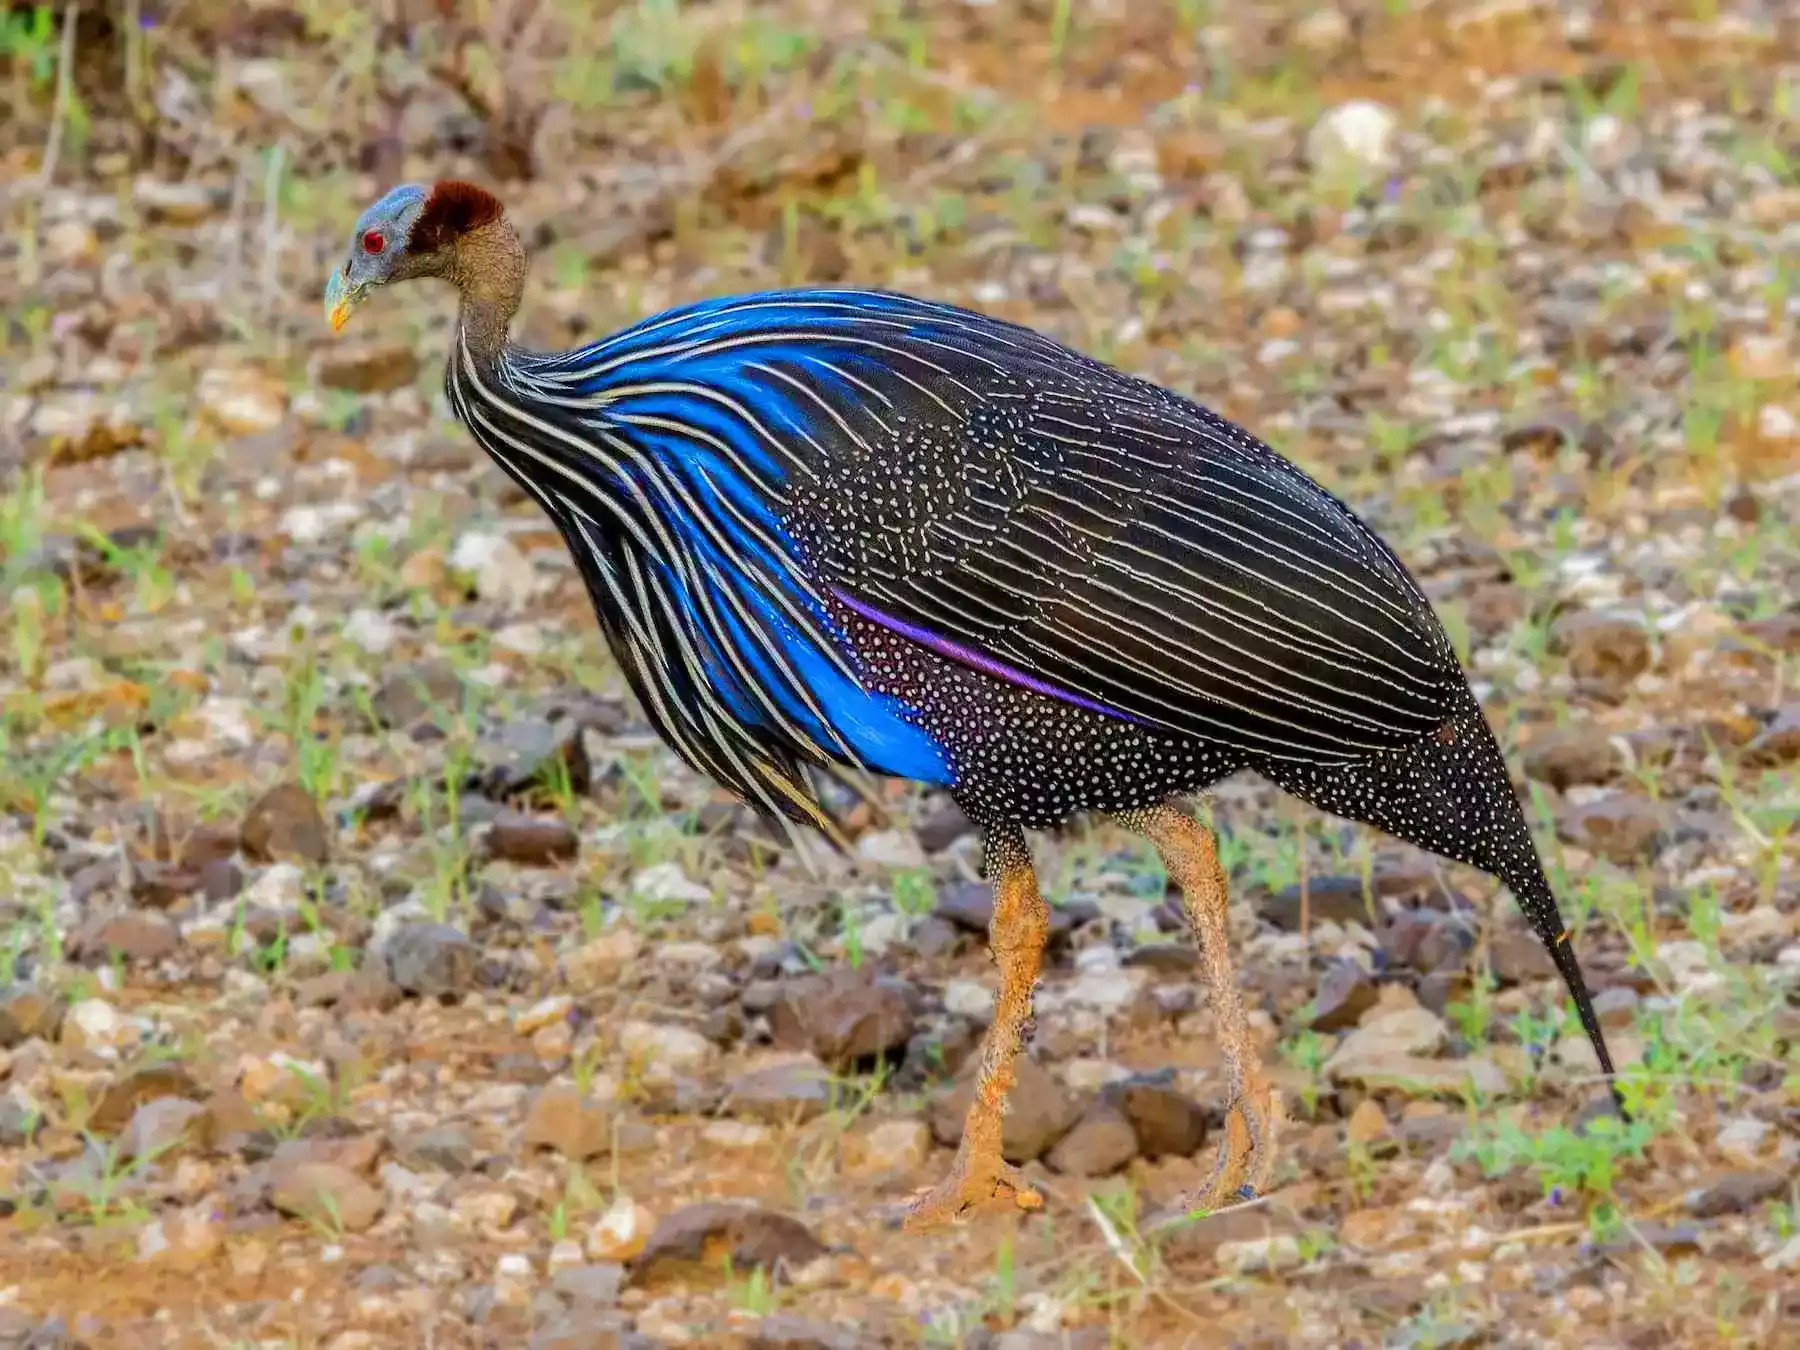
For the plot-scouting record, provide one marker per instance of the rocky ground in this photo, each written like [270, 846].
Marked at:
[369, 973]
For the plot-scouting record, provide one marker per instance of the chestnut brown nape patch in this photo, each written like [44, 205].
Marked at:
[451, 211]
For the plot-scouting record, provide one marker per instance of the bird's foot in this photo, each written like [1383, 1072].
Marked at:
[974, 1182]
[1246, 1159]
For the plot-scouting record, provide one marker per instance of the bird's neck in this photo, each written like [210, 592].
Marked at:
[489, 270]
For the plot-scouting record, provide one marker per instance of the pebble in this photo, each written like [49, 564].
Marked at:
[93, 1024]
[746, 1235]
[601, 960]
[328, 1194]
[369, 367]
[431, 960]
[1741, 1138]
[667, 883]
[1039, 1112]
[514, 1280]
[1621, 826]
[1345, 994]
[499, 570]
[564, 1120]
[369, 630]
[843, 1016]
[889, 1146]
[666, 1050]
[543, 1013]
[26, 1012]
[240, 401]
[797, 1089]
[621, 1232]
[1100, 1143]
[442, 1148]
[285, 825]
[897, 850]
[970, 999]
[133, 935]
[411, 693]
[1353, 140]
[531, 841]
[1735, 1192]
[183, 1240]
[596, 1284]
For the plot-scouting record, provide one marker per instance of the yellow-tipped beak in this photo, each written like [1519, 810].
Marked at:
[341, 300]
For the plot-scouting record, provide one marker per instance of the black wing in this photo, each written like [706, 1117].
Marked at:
[1100, 536]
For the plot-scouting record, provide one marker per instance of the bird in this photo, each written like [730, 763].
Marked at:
[842, 530]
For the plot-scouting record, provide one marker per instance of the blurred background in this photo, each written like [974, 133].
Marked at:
[369, 973]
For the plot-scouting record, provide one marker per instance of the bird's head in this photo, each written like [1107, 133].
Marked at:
[416, 230]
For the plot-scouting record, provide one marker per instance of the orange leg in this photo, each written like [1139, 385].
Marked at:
[1253, 1111]
[1016, 937]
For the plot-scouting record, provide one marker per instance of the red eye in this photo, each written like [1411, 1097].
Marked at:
[374, 241]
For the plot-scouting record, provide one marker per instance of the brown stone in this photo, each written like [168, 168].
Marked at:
[1609, 650]
[1039, 1112]
[1345, 993]
[26, 1012]
[843, 1016]
[285, 824]
[1100, 1143]
[562, 1119]
[710, 1234]
[1622, 826]
[1566, 756]
[325, 1193]
[532, 841]
[134, 935]
[372, 367]
[1167, 1124]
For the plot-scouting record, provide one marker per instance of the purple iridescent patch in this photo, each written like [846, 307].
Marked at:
[969, 656]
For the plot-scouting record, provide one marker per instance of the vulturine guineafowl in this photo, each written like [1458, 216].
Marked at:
[852, 528]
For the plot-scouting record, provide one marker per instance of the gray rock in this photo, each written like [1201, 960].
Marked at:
[1340, 899]
[782, 1093]
[597, 1284]
[441, 1148]
[1736, 1192]
[430, 959]
[410, 693]
[531, 752]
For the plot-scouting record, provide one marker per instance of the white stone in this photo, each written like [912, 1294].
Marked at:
[666, 882]
[308, 523]
[241, 401]
[665, 1048]
[898, 849]
[513, 1277]
[735, 1134]
[891, 1146]
[500, 571]
[1741, 1138]
[370, 630]
[970, 999]
[280, 889]
[1353, 139]
[1776, 423]
[93, 1024]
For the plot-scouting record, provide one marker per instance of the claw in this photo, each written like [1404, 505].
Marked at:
[970, 1186]
[1247, 1157]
